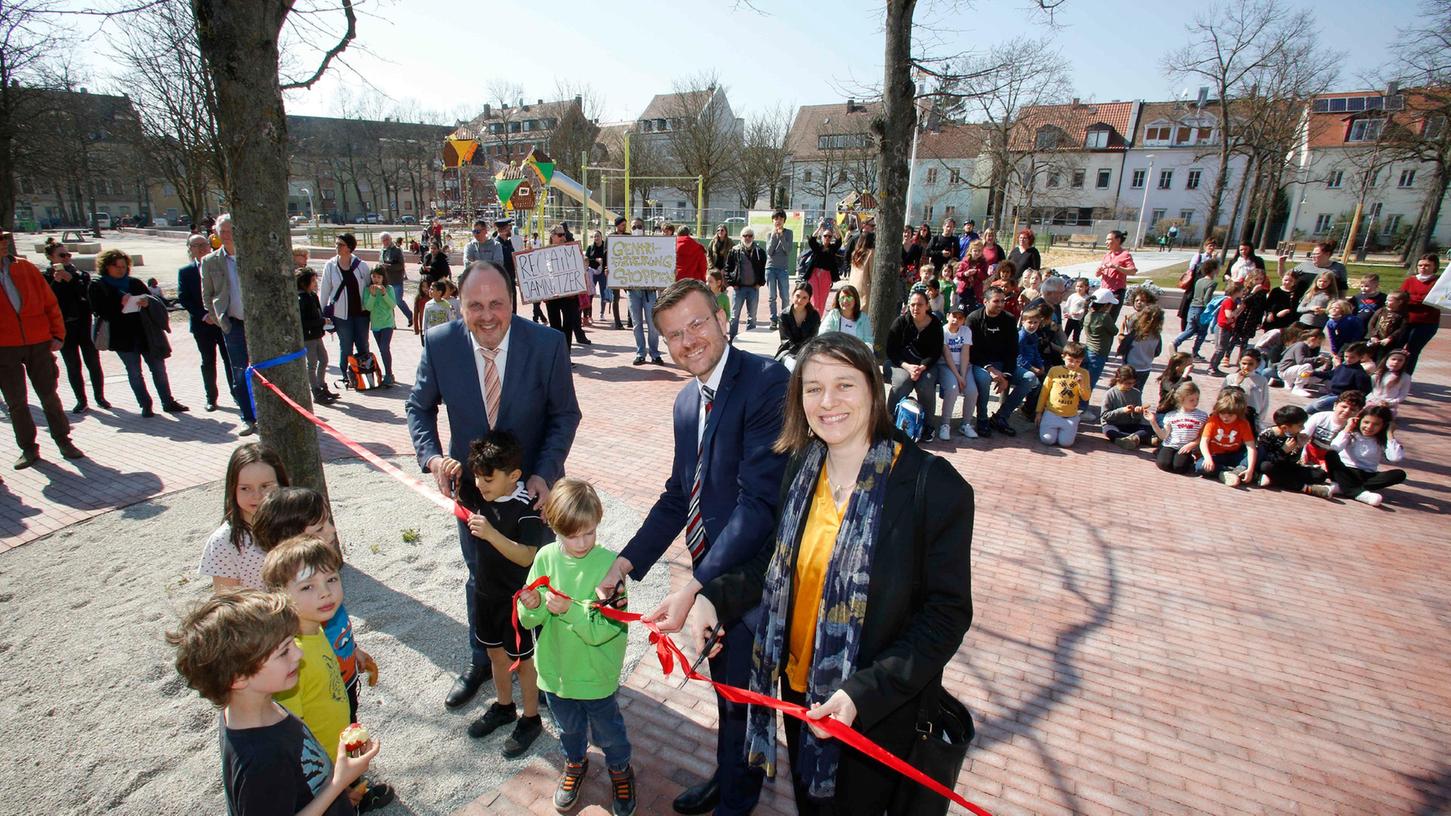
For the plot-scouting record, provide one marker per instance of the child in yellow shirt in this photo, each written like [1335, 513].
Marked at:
[1065, 389]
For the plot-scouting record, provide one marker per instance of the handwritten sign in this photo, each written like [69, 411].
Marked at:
[551, 272]
[641, 261]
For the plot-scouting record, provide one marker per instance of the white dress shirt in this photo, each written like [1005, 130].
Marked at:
[713, 383]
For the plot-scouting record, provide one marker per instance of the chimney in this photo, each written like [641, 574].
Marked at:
[1203, 97]
[540, 102]
[1076, 103]
[1393, 88]
[579, 100]
[486, 110]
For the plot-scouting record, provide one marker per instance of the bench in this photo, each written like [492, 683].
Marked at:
[73, 244]
[1082, 241]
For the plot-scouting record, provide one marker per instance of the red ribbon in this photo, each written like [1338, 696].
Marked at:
[666, 651]
[670, 655]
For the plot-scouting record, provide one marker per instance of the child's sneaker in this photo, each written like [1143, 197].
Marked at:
[376, 796]
[1319, 491]
[944, 431]
[567, 794]
[967, 431]
[495, 718]
[1230, 478]
[1300, 392]
[525, 732]
[1128, 443]
[1370, 497]
[623, 783]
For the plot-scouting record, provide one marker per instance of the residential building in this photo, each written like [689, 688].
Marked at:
[949, 179]
[1170, 169]
[675, 134]
[1068, 165]
[832, 154]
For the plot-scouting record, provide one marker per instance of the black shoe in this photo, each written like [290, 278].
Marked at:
[584, 341]
[619, 325]
[70, 451]
[925, 437]
[80, 408]
[495, 718]
[774, 325]
[467, 685]
[250, 429]
[526, 731]
[984, 430]
[174, 407]
[1001, 426]
[101, 403]
[378, 796]
[639, 361]
[656, 361]
[147, 413]
[26, 459]
[622, 783]
[211, 406]
[566, 794]
[700, 799]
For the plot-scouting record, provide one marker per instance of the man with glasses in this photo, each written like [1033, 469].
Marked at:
[210, 342]
[746, 271]
[32, 330]
[222, 296]
[722, 491]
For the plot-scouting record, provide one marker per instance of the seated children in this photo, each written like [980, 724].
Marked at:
[1392, 384]
[1064, 390]
[1180, 431]
[230, 557]
[1386, 329]
[1256, 388]
[1226, 446]
[1303, 365]
[1280, 446]
[505, 533]
[306, 568]
[954, 374]
[1175, 372]
[1344, 326]
[236, 649]
[1123, 411]
[1322, 428]
[1356, 454]
[934, 298]
[1349, 375]
[581, 652]
[1075, 308]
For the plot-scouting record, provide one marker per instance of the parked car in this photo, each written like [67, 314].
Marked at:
[371, 218]
[408, 219]
[102, 220]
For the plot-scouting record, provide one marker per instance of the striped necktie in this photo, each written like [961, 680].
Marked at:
[695, 525]
[492, 387]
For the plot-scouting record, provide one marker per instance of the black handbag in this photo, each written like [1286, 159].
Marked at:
[944, 725]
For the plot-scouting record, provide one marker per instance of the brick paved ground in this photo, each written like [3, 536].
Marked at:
[1142, 643]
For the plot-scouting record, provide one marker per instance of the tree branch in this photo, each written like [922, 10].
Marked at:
[348, 37]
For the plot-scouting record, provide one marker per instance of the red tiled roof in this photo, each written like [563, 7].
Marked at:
[1075, 120]
[814, 121]
[952, 142]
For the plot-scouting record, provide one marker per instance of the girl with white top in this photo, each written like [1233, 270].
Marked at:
[230, 557]
[1357, 452]
[954, 374]
[848, 316]
[1392, 381]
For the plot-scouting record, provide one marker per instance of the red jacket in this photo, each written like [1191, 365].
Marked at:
[1417, 312]
[689, 258]
[39, 320]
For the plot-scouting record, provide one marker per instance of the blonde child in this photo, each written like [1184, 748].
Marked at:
[580, 651]
[1227, 444]
[1180, 431]
[1065, 389]
[1123, 412]
[1357, 452]
[231, 558]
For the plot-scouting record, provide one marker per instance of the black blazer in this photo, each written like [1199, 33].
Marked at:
[905, 642]
[127, 331]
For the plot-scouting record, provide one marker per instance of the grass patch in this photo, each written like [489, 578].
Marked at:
[1390, 276]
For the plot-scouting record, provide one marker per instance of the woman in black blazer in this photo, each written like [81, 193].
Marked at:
[857, 561]
[112, 291]
[798, 324]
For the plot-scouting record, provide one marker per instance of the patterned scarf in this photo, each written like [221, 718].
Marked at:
[843, 605]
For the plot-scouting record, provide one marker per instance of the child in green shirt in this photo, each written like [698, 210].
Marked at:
[579, 652]
[716, 281]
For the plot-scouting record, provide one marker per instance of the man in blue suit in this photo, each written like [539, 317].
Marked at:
[722, 491]
[210, 342]
[490, 370]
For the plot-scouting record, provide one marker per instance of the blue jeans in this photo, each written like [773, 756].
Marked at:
[1022, 382]
[579, 719]
[384, 338]
[1094, 363]
[777, 279]
[132, 361]
[642, 308]
[747, 297]
[1231, 462]
[602, 282]
[236, 343]
[352, 339]
[402, 302]
[1192, 328]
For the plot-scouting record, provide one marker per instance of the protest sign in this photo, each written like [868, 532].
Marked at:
[641, 261]
[551, 272]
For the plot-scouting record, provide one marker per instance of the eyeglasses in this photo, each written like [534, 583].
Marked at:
[694, 328]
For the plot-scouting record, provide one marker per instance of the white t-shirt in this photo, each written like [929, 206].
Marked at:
[1076, 306]
[848, 326]
[956, 342]
[222, 560]
[1184, 426]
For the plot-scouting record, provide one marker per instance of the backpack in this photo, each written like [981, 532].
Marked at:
[803, 265]
[363, 373]
[909, 417]
[1211, 311]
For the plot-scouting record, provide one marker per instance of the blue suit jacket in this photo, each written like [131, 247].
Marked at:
[537, 405]
[741, 483]
[189, 293]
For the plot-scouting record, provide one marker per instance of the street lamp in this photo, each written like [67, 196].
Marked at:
[1144, 204]
[311, 213]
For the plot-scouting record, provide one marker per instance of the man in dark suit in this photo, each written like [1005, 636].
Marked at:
[491, 370]
[722, 491]
[210, 342]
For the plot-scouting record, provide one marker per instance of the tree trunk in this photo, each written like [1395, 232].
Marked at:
[1231, 239]
[239, 43]
[1420, 237]
[894, 134]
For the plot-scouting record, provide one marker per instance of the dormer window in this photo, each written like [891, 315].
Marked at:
[1157, 134]
[1364, 130]
[1096, 138]
[1048, 138]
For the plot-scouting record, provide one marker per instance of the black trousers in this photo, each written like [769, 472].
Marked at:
[564, 316]
[1170, 460]
[210, 344]
[1289, 475]
[1354, 481]
[740, 785]
[78, 348]
[864, 787]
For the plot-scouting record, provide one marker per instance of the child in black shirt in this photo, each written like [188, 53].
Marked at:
[1280, 449]
[506, 534]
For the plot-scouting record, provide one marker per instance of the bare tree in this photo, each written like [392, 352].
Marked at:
[762, 160]
[826, 175]
[702, 137]
[508, 99]
[893, 130]
[26, 46]
[576, 134]
[1229, 46]
[1423, 131]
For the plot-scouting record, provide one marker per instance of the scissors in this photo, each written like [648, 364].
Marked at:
[617, 599]
[715, 634]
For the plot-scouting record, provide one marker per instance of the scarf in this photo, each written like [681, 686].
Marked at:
[843, 604]
[121, 284]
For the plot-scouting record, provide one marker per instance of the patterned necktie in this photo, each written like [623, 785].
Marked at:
[695, 525]
[492, 387]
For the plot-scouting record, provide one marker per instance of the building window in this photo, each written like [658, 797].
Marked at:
[1335, 179]
[1137, 183]
[1364, 130]
[1181, 135]
[949, 211]
[1322, 223]
[1157, 216]
[1203, 135]
[1191, 180]
[1375, 210]
[1105, 176]
[1053, 180]
[927, 213]
[1157, 134]
[806, 177]
[1434, 126]
[931, 175]
[1187, 216]
[1392, 223]
[1077, 183]
[954, 175]
[1166, 179]
[1096, 139]
[841, 141]
[1408, 178]
[1131, 214]
[1047, 138]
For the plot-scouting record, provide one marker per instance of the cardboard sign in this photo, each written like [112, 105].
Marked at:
[641, 261]
[551, 272]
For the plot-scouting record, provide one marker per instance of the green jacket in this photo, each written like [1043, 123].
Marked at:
[1099, 331]
[380, 308]
[578, 654]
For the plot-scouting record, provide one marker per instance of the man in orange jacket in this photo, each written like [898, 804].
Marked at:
[31, 332]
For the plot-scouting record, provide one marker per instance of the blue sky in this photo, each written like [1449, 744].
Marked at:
[443, 56]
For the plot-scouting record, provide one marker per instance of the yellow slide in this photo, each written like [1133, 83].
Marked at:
[574, 190]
